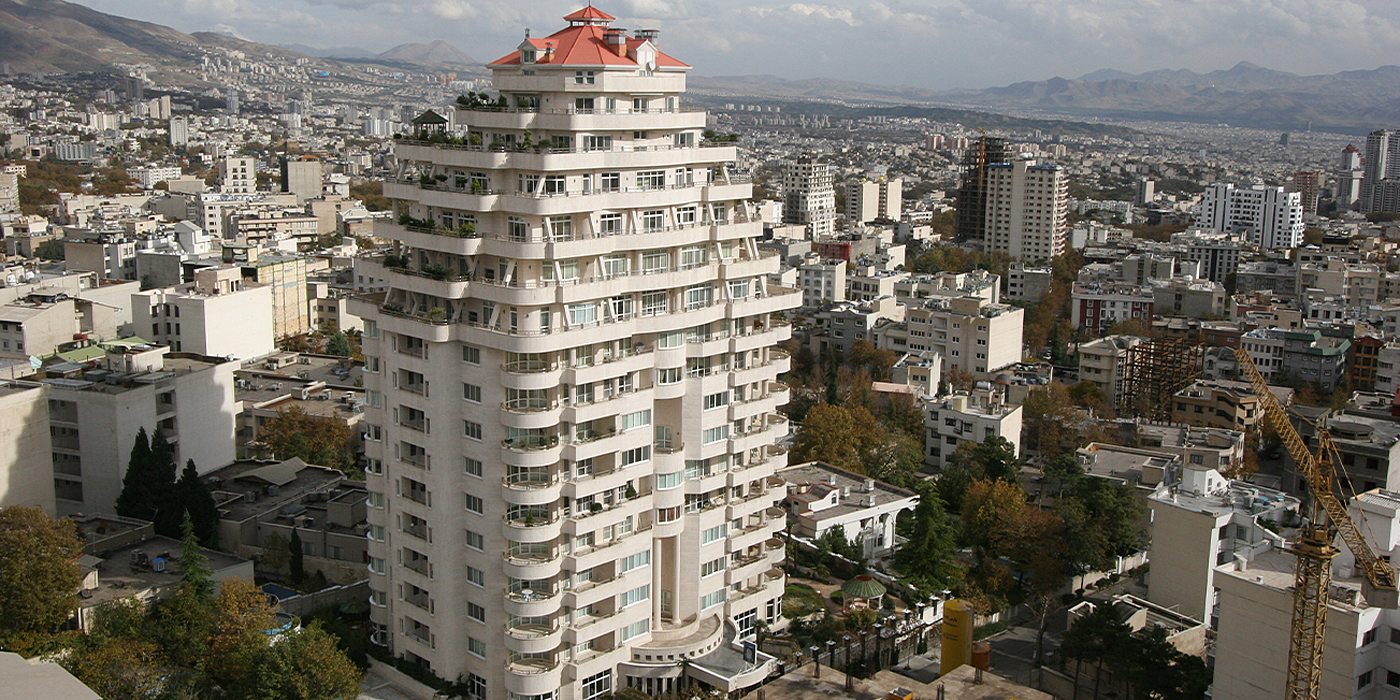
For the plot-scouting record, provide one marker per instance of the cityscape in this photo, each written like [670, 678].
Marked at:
[584, 372]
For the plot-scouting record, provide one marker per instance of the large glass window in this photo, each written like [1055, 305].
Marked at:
[651, 179]
[653, 220]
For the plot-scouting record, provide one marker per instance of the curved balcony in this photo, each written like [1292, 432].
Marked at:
[531, 530]
[669, 391]
[531, 413]
[531, 567]
[668, 522]
[531, 490]
[531, 452]
[534, 639]
[530, 603]
[668, 456]
[668, 498]
[534, 676]
[531, 374]
[747, 568]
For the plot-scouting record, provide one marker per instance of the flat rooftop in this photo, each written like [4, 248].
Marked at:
[961, 684]
[120, 574]
[803, 477]
[234, 485]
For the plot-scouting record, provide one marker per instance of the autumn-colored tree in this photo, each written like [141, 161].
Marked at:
[836, 435]
[875, 361]
[125, 669]
[241, 616]
[306, 665]
[39, 580]
[1087, 394]
[1050, 421]
[316, 440]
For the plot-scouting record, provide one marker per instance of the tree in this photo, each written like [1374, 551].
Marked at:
[928, 555]
[242, 616]
[296, 557]
[135, 501]
[122, 618]
[1094, 638]
[51, 249]
[1063, 468]
[38, 580]
[276, 554]
[339, 345]
[1087, 394]
[199, 505]
[835, 435]
[315, 440]
[1050, 421]
[125, 669]
[994, 458]
[306, 665]
[169, 511]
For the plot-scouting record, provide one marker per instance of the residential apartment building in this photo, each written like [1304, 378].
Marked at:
[97, 408]
[238, 175]
[1101, 363]
[970, 333]
[196, 317]
[1221, 403]
[1277, 276]
[1202, 520]
[970, 416]
[26, 459]
[1299, 355]
[1218, 252]
[1256, 613]
[301, 177]
[871, 199]
[1380, 168]
[1190, 298]
[1027, 209]
[809, 196]
[1269, 217]
[572, 421]
[822, 281]
[1028, 283]
[1097, 307]
[843, 324]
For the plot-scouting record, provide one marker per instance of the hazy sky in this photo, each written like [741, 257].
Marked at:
[928, 43]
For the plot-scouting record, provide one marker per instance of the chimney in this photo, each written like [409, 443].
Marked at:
[548, 52]
[648, 34]
[616, 38]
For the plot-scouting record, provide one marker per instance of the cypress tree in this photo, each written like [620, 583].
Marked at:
[194, 496]
[134, 500]
[169, 510]
[297, 565]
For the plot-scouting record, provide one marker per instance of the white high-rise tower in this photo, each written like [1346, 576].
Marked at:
[571, 379]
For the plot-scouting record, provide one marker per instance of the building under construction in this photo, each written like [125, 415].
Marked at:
[1153, 371]
[972, 191]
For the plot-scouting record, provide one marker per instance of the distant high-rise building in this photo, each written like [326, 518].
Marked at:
[135, 88]
[237, 175]
[1381, 163]
[301, 177]
[868, 200]
[809, 196]
[1031, 207]
[179, 132]
[1268, 217]
[1307, 183]
[1283, 139]
[231, 101]
[972, 195]
[1349, 177]
[1146, 190]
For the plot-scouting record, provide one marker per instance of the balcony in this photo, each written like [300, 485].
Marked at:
[534, 638]
[534, 675]
[532, 566]
[531, 489]
[531, 603]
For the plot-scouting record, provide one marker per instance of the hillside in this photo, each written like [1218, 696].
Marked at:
[437, 52]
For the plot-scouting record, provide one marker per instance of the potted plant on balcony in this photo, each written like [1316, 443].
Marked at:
[437, 314]
[474, 139]
[631, 492]
[460, 181]
[595, 507]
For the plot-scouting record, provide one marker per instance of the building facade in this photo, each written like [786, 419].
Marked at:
[1027, 209]
[1269, 217]
[809, 196]
[572, 420]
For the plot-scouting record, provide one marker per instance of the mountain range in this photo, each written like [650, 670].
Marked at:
[438, 51]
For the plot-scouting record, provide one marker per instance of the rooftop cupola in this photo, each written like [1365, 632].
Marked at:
[589, 15]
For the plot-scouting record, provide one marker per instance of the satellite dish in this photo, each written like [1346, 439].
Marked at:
[651, 64]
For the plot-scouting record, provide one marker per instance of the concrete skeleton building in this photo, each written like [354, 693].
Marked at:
[571, 431]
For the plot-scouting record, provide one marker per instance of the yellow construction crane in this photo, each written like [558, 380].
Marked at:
[1328, 516]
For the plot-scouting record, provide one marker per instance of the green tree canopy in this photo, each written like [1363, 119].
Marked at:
[928, 557]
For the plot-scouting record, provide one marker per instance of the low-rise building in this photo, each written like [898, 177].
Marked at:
[968, 332]
[1028, 283]
[1201, 520]
[1101, 363]
[96, 409]
[26, 459]
[822, 497]
[1222, 403]
[1097, 307]
[1187, 297]
[972, 416]
[195, 317]
[822, 281]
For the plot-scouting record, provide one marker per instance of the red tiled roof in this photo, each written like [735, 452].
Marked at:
[589, 12]
[583, 45]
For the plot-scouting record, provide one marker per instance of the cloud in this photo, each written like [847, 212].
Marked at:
[930, 43]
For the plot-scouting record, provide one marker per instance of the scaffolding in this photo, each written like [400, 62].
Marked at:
[1152, 372]
[972, 192]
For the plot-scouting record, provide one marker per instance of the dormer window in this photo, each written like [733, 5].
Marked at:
[527, 56]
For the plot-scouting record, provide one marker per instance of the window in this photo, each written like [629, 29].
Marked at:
[583, 104]
[738, 289]
[714, 534]
[471, 392]
[634, 630]
[634, 420]
[476, 612]
[1392, 679]
[669, 481]
[476, 576]
[685, 216]
[472, 429]
[517, 229]
[720, 213]
[614, 266]
[584, 77]
[476, 541]
[719, 400]
[634, 596]
[1363, 680]
[561, 228]
[474, 503]
[471, 466]
[655, 261]
[673, 339]
[653, 220]
[583, 314]
[599, 143]
[610, 182]
[635, 561]
[699, 296]
[715, 434]
[597, 685]
[471, 355]
[1368, 638]
[636, 455]
[692, 256]
[668, 375]
[651, 179]
[710, 600]
[710, 568]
